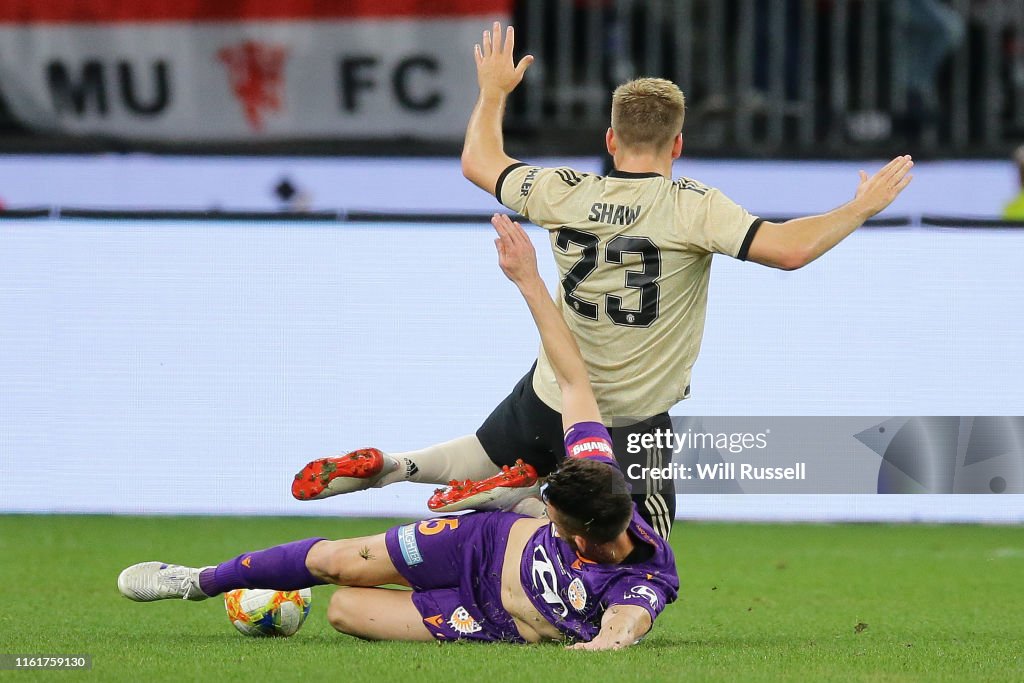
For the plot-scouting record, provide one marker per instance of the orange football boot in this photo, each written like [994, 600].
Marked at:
[354, 471]
[501, 491]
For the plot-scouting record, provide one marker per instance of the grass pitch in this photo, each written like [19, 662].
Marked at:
[758, 602]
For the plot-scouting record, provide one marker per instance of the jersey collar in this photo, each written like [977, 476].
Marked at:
[616, 173]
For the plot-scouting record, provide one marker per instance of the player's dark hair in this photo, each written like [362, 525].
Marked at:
[592, 497]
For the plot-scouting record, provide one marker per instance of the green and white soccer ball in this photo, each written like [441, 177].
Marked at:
[260, 612]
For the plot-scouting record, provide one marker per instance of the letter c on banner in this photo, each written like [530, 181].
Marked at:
[400, 83]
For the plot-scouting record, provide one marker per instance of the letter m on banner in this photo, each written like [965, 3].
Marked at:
[256, 74]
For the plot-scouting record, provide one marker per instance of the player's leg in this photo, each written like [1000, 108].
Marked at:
[520, 440]
[281, 567]
[655, 498]
[521, 427]
[523, 436]
[291, 566]
[377, 614]
[361, 562]
[461, 458]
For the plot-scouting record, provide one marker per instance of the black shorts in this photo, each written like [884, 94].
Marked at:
[524, 427]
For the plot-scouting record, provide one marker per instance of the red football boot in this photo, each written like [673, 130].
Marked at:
[355, 471]
[499, 492]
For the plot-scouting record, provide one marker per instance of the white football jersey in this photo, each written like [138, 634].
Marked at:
[634, 256]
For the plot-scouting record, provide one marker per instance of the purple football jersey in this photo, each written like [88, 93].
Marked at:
[572, 592]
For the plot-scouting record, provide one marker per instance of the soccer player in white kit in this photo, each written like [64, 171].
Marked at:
[634, 251]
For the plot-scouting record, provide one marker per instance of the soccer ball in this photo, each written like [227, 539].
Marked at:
[260, 612]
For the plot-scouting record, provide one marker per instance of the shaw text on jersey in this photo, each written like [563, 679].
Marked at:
[613, 214]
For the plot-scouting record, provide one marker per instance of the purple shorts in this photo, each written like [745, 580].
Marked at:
[454, 567]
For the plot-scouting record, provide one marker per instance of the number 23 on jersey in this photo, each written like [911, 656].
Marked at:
[645, 281]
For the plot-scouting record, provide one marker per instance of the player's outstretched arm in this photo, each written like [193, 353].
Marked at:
[796, 243]
[621, 626]
[483, 155]
[518, 260]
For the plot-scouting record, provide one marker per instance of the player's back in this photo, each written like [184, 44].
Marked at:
[633, 252]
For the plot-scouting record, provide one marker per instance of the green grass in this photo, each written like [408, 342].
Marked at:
[758, 602]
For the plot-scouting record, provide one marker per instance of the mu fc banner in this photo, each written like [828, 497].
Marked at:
[245, 69]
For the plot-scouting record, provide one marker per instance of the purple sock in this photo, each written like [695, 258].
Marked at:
[282, 568]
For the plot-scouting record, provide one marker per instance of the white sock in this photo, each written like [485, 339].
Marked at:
[532, 506]
[462, 458]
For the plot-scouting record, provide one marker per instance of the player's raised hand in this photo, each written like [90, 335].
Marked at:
[516, 255]
[879, 191]
[495, 69]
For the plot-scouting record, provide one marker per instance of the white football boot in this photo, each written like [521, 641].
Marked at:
[149, 581]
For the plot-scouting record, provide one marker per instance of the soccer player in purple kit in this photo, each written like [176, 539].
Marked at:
[594, 572]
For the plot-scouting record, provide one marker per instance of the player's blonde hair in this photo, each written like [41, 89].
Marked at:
[648, 112]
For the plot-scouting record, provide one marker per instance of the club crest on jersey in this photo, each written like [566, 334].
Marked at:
[591, 447]
[645, 592]
[463, 622]
[577, 594]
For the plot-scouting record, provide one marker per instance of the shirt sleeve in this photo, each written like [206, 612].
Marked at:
[634, 590]
[590, 440]
[544, 195]
[719, 225]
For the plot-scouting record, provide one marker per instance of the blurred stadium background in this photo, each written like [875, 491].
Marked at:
[235, 235]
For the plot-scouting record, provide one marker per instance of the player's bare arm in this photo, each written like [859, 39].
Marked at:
[518, 260]
[796, 243]
[483, 156]
[621, 626]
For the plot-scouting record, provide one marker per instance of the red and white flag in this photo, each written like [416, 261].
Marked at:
[255, 69]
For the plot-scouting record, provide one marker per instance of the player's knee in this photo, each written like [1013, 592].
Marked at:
[341, 613]
[326, 561]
